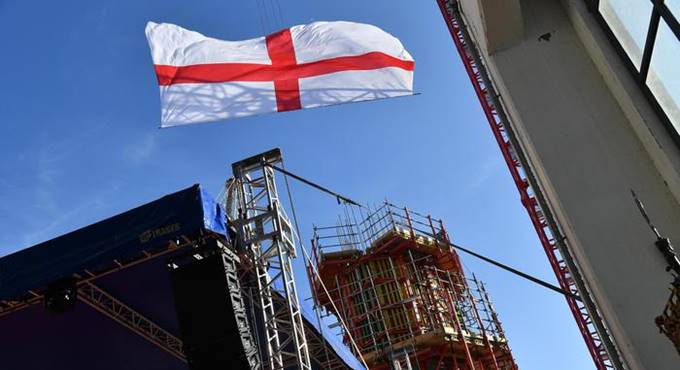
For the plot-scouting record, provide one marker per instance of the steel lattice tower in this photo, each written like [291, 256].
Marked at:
[265, 233]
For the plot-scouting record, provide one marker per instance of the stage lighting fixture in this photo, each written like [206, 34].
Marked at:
[61, 296]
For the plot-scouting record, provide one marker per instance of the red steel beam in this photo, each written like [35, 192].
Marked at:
[518, 172]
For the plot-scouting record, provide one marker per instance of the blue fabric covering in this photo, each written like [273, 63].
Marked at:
[214, 217]
[335, 343]
[120, 237]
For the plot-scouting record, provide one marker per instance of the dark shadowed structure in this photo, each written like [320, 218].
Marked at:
[103, 297]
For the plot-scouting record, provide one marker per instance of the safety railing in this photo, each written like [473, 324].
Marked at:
[363, 232]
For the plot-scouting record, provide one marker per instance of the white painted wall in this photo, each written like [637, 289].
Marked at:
[591, 137]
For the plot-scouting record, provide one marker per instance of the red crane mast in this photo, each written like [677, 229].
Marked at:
[590, 324]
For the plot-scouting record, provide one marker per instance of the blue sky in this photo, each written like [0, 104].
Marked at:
[79, 141]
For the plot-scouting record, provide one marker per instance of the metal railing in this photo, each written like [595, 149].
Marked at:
[352, 234]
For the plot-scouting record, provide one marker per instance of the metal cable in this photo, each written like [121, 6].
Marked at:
[309, 260]
[297, 231]
[505, 267]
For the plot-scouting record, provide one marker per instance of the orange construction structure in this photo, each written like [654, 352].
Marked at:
[401, 292]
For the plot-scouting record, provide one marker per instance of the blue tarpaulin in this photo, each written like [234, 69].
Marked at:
[120, 237]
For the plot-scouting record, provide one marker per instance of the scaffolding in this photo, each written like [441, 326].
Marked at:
[401, 290]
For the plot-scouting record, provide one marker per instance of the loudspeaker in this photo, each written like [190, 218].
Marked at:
[207, 320]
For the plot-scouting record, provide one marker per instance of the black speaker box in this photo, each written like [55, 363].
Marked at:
[205, 313]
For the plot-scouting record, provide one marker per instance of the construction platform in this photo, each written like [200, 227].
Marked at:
[107, 296]
[402, 294]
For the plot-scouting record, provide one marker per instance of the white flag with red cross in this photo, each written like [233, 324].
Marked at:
[203, 79]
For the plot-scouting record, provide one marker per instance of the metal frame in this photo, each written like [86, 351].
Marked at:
[108, 305]
[660, 12]
[231, 264]
[266, 234]
[113, 308]
[591, 325]
[404, 296]
[33, 297]
[8, 307]
[320, 353]
[319, 350]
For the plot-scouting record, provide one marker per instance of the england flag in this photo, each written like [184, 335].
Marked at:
[203, 79]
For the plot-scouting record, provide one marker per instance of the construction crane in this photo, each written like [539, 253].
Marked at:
[589, 321]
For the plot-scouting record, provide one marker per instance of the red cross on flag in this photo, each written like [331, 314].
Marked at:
[203, 79]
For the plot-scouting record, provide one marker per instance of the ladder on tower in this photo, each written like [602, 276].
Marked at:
[588, 320]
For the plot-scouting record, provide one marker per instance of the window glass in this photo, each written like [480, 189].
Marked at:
[629, 21]
[663, 78]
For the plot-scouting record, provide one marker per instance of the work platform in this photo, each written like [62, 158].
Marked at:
[103, 297]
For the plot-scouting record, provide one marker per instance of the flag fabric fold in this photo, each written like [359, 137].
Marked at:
[203, 79]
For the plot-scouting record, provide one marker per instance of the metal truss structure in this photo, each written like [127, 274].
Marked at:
[110, 306]
[118, 311]
[231, 262]
[36, 296]
[318, 350]
[266, 240]
[265, 233]
[115, 309]
[590, 324]
[8, 307]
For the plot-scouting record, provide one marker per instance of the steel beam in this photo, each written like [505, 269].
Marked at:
[593, 329]
[123, 314]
